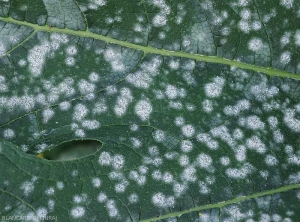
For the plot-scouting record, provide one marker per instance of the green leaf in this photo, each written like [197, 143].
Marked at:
[195, 103]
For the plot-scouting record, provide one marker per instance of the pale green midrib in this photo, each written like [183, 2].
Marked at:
[148, 49]
[225, 203]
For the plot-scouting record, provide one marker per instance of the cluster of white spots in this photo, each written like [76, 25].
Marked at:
[214, 89]
[96, 182]
[203, 160]
[255, 44]
[112, 208]
[160, 19]
[9, 133]
[117, 162]
[241, 173]
[207, 140]
[86, 87]
[38, 54]
[188, 130]
[77, 212]
[143, 109]
[123, 101]
[254, 143]
[287, 3]
[253, 122]
[186, 146]
[163, 201]
[207, 106]
[222, 133]
[36, 58]
[90, 124]
[144, 77]
[271, 160]
[224, 160]
[262, 92]
[291, 121]
[47, 115]
[139, 178]
[285, 57]
[179, 189]
[114, 57]
[100, 107]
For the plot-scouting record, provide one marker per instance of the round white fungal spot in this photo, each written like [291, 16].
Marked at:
[77, 212]
[225, 161]
[204, 160]
[70, 61]
[71, 50]
[80, 111]
[160, 200]
[105, 159]
[270, 160]
[253, 122]
[65, 106]
[42, 212]
[186, 146]
[79, 133]
[188, 130]
[159, 20]
[9, 134]
[133, 198]
[297, 38]
[143, 109]
[189, 174]
[159, 135]
[255, 44]
[215, 88]
[96, 182]
[184, 160]
[157, 175]
[47, 115]
[94, 77]
[207, 106]
[102, 197]
[245, 13]
[171, 92]
[167, 177]
[118, 162]
[179, 121]
[285, 57]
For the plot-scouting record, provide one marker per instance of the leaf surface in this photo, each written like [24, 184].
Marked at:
[196, 104]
